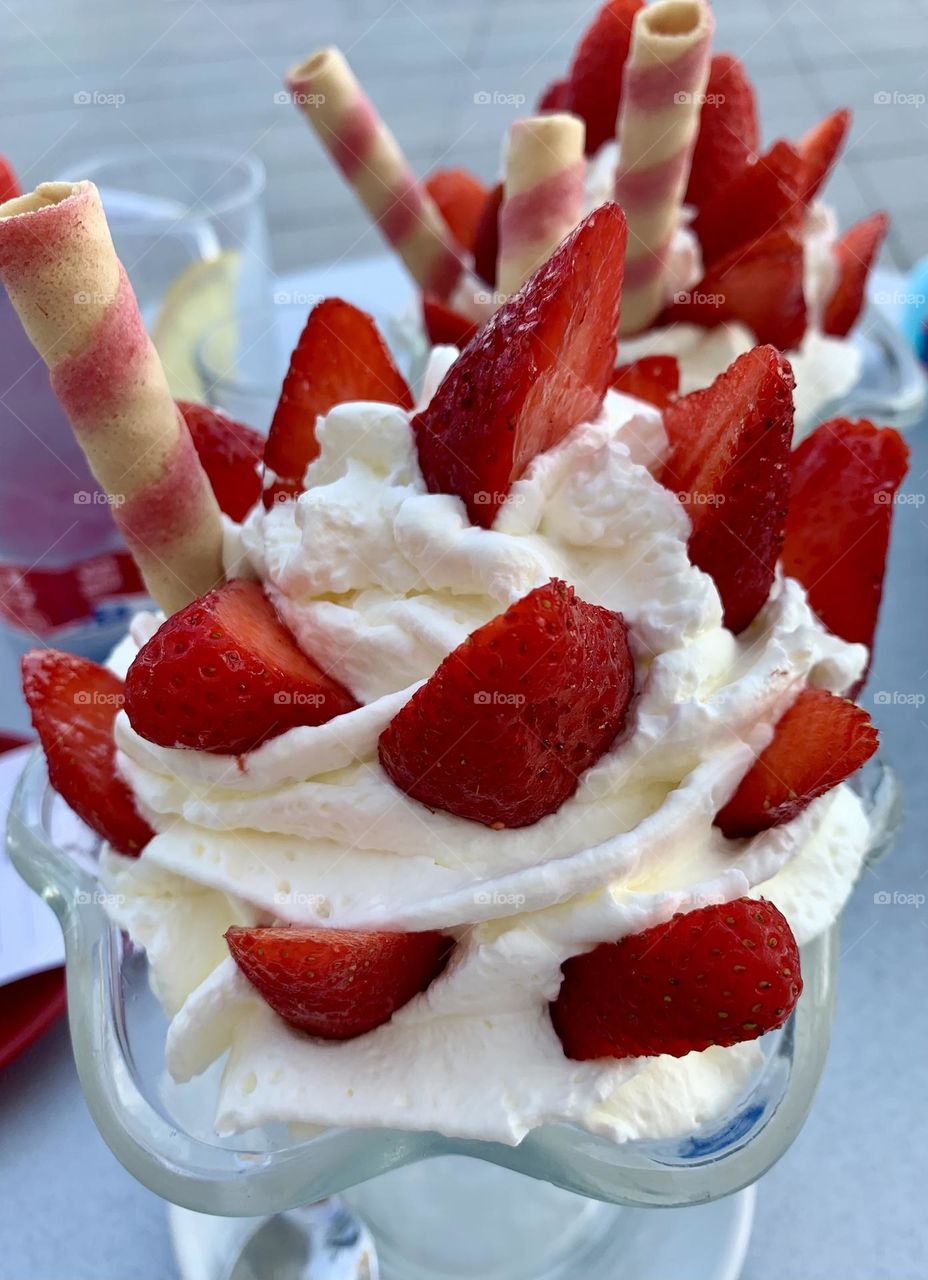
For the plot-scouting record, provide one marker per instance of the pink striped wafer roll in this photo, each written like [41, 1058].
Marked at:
[663, 87]
[60, 269]
[325, 89]
[542, 194]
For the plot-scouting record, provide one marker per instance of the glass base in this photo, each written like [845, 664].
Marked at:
[453, 1217]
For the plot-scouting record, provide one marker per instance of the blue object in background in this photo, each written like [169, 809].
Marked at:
[913, 315]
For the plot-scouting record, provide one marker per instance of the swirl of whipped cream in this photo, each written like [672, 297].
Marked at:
[381, 579]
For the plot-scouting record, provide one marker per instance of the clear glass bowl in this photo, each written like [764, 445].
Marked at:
[162, 1134]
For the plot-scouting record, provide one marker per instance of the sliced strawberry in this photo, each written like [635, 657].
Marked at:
[729, 464]
[445, 325]
[337, 983]
[818, 743]
[714, 976]
[594, 82]
[819, 150]
[844, 480]
[340, 357]
[728, 132]
[9, 183]
[652, 378]
[74, 704]
[224, 675]
[486, 237]
[460, 197]
[763, 196]
[554, 96]
[761, 285]
[539, 366]
[231, 454]
[855, 252]
[503, 730]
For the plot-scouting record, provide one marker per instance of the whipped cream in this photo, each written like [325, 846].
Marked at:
[381, 579]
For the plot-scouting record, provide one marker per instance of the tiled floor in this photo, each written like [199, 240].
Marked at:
[169, 70]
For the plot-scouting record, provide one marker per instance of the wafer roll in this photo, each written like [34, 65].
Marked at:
[663, 87]
[60, 269]
[325, 89]
[542, 194]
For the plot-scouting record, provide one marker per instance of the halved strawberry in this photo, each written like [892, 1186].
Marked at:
[760, 284]
[224, 675]
[460, 197]
[819, 150]
[714, 976]
[594, 82]
[445, 325]
[9, 183]
[818, 743]
[844, 480]
[231, 455]
[503, 730]
[855, 252]
[728, 132]
[539, 366]
[763, 196]
[74, 703]
[652, 378]
[486, 237]
[337, 983]
[554, 96]
[340, 357]
[729, 464]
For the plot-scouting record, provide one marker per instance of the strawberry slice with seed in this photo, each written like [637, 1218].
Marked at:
[231, 455]
[504, 729]
[594, 82]
[729, 465]
[759, 284]
[340, 357]
[855, 253]
[844, 481]
[460, 197]
[74, 704]
[819, 150]
[728, 131]
[445, 325]
[652, 378]
[224, 675]
[540, 365]
[715, 976]
[820, 741]
[763, 196]
[337, 983]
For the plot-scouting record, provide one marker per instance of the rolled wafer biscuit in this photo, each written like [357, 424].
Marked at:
[542, 194]
[325, 89]
[664, 83]
[60, 269]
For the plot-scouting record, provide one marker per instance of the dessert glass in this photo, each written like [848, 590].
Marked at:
[444, 1217]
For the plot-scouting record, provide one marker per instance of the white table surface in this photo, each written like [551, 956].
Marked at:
[845, 1203]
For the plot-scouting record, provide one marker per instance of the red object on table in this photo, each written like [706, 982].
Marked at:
[30, 1006]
